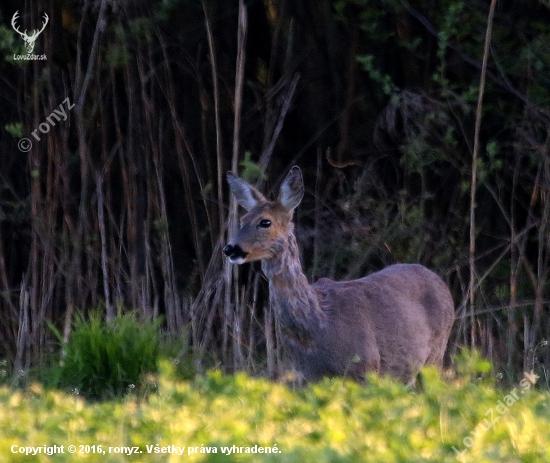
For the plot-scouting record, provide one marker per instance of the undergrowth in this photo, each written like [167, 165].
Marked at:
[107, 359]
[236, 418]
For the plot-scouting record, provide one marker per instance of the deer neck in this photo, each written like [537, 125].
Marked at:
[294, 301]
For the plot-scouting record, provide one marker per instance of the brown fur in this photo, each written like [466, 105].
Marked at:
[393, 321]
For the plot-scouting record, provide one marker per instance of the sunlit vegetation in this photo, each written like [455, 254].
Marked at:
[215, 416]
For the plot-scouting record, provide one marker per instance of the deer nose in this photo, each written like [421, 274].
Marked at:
[234, 252]
[227, 250]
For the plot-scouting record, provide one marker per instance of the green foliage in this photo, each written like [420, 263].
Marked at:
[251, 170]
[10, 44]
[495, 162]
[169, 8]
[117, 54]
[471, 364]
[107, 359]
[160, 225]
[4, 376]
[383, 80]
[339, 7]
[15, 129]
[330, 421]
[207, 190]
[183, 360]
[450, 29]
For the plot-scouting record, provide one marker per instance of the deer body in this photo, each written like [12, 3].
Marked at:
[393, 321]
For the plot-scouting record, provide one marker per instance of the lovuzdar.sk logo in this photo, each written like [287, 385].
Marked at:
[30, 39]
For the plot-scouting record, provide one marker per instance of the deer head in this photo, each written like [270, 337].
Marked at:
[29, 39]
[267, 225]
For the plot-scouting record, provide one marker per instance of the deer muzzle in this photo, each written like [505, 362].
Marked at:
[235, 253]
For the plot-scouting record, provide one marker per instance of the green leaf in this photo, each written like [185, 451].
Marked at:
[251, 170]
[15, 129]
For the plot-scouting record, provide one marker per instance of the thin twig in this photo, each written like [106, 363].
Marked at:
[219, 154]
[103, 236]
[230, 272]
[473, 187]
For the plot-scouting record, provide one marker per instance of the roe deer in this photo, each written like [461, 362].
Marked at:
[392, 322]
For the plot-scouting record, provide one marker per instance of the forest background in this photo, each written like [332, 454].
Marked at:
[124, 206]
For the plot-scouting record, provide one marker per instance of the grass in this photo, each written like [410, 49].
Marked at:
[106, 360]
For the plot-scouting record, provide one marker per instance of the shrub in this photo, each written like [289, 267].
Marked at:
[107, 359]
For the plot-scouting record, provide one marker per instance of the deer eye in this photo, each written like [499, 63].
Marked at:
[264, 223]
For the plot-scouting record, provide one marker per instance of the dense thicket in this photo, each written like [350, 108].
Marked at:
[124, 206]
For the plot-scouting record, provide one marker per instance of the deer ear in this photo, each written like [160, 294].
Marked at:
[292, 189]
[246, 195]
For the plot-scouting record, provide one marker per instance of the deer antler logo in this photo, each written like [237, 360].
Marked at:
[29, 39]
